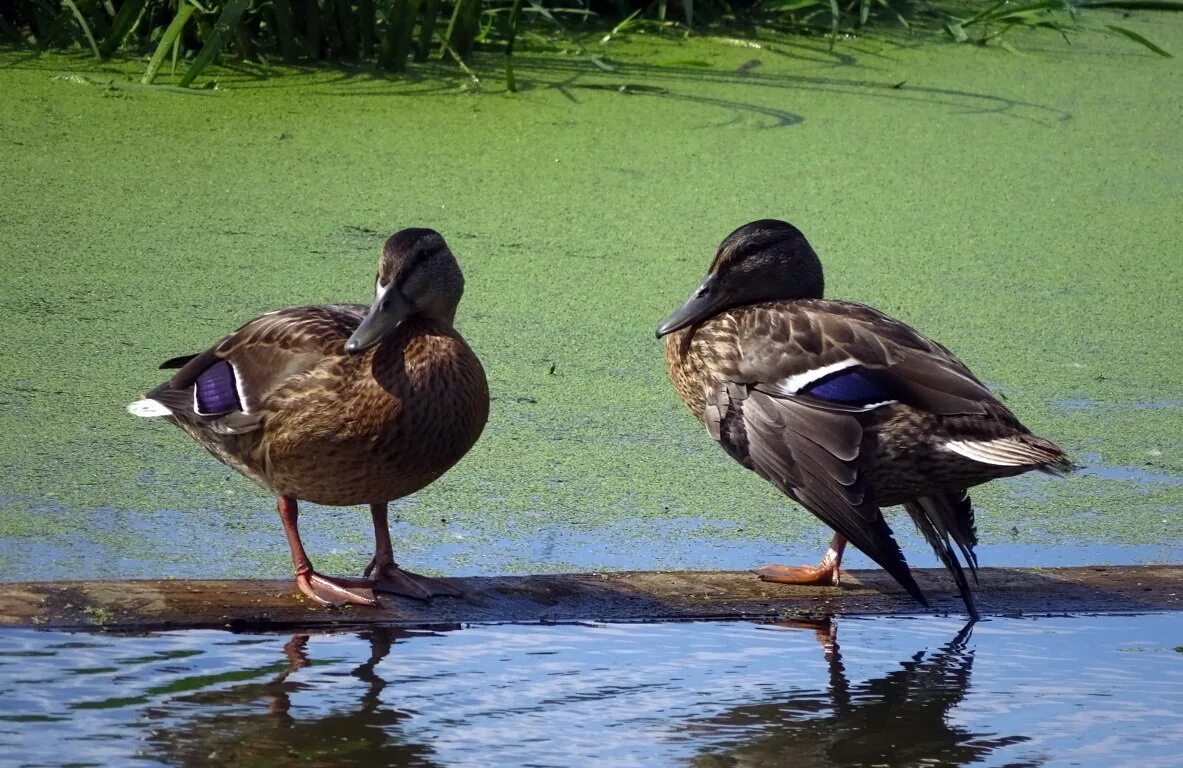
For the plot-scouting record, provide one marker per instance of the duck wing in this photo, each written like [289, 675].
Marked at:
[810, 451]
[839, 351]
[801, 383]
[224, 387]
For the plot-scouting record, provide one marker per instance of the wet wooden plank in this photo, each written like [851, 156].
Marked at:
[629, 596]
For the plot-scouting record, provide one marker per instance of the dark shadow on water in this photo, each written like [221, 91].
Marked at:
[901, 719]
[681, 84]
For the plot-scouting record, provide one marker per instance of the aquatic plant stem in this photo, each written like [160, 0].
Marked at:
[226, 24]
[170, 36]
[85, 29]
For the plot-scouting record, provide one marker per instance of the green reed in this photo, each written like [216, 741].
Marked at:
[388, 34]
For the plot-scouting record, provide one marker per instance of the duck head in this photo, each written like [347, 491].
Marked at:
[417, 274]
[765, 260]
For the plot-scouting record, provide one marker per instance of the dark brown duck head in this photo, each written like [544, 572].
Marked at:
[765, 260]
[417, 274]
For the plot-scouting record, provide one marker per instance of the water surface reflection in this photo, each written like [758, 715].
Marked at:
[856, 692]
[901, 718]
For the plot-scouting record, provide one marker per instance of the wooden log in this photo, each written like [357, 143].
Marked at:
[628, 596]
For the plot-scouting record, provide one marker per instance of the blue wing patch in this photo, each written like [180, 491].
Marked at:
[850, 386]
[215, 390]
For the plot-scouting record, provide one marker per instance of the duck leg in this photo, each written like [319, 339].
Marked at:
[824, 574]
[389, 577]
[321, 589]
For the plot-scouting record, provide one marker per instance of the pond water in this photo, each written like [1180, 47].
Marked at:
[1054, 691]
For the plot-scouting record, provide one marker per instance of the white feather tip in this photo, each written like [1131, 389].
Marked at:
[148, 409]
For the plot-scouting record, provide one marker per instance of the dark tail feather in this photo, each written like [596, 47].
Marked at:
[953, 517]
[873, 538]
[176, 362]
[940, 518]
[880, 545]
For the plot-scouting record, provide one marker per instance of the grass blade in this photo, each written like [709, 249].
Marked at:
[986, 13]
[584, 52]
[401, 29]
[1132, 35]
[285, 30]
[125, 21]
[365, 28]
[463, 28]
[1134, 5]
[170, 36]
[347, 27]
[431, 15]
[85, 28]
[511, 34]
[834, 15]
[223, 28]
[313, 29]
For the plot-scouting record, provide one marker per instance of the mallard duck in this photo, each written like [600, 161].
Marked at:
[841, 407]
[342, 404]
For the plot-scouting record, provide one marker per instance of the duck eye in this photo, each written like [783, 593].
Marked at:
[385, 304]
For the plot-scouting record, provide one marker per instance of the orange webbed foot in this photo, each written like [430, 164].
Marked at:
[335, 592]
[389, 577]
[805, 575]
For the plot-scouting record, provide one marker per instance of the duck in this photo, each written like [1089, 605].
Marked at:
[842, 408]
[342, 404]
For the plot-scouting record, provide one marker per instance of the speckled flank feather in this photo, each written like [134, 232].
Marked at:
[846, 409]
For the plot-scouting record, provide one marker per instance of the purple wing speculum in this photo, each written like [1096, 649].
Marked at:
[216, 391]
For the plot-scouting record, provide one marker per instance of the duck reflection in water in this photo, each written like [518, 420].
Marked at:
[316, 705]
[904, 718]
[237, 732]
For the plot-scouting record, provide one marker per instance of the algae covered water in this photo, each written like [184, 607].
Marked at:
[1084, 691]
[1022, 210]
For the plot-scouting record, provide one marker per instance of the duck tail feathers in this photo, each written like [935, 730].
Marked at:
[1017, 450]
[945, 520]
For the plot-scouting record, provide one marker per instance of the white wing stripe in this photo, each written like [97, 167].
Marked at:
[239, 387]
[793, 384]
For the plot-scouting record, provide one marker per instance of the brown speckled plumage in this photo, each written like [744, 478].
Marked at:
[349, 429]
[314, 421]
[744, 352]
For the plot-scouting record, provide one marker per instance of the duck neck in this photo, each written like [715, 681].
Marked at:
[687, 369]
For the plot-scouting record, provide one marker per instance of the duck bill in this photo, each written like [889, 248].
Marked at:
[387, 311]
[706, 301]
